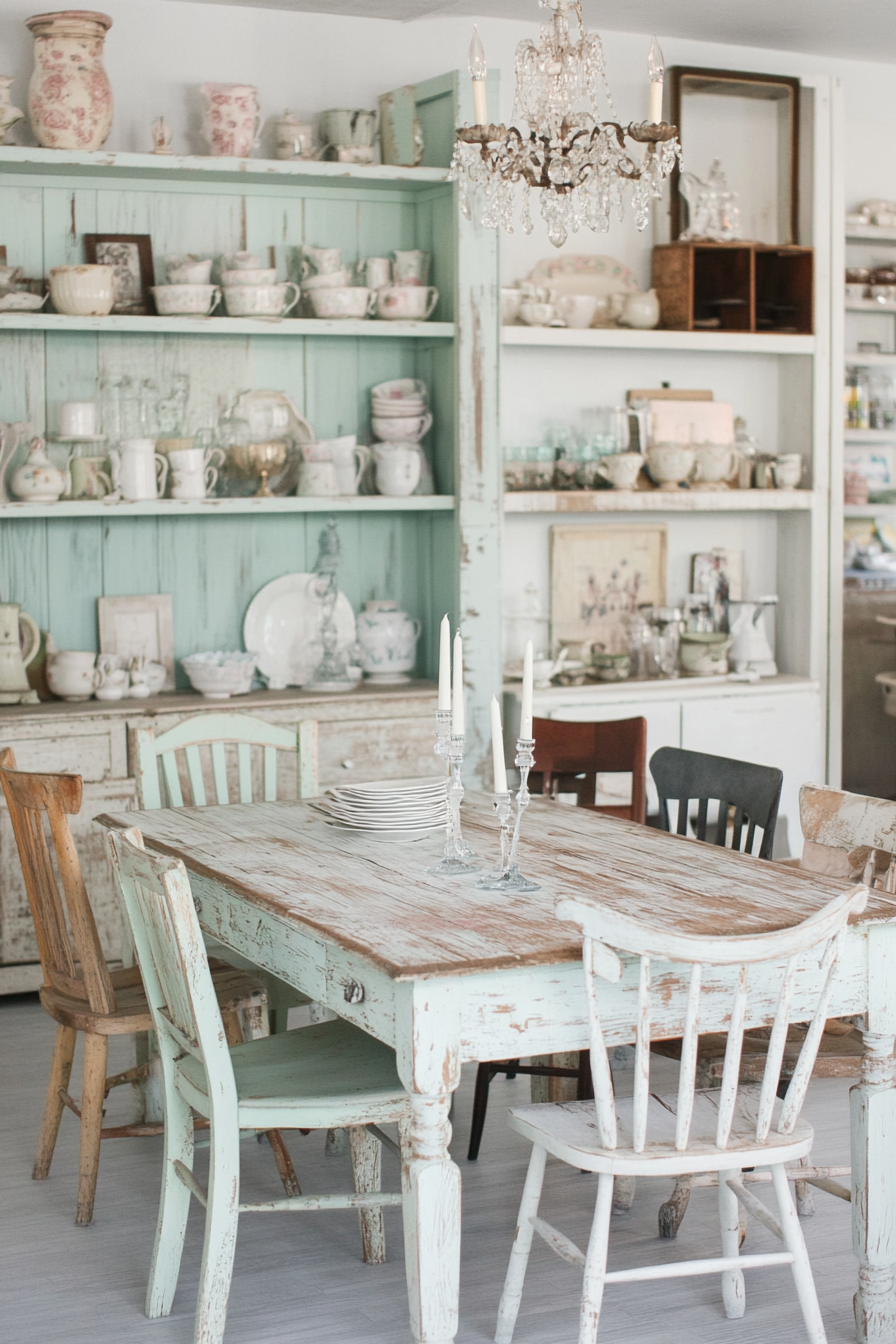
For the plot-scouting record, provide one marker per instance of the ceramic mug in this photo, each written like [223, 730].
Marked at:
[577, 310]
[349, 302]
[788, 471]
[715, 463]
[411, 268]
[186, 300]
[89, 477]
[83, 291]
[398, 468]
[318, 478]
[261, 300]
[138, 471]
[621, 469]
[188, 270]
[374, 272]
[293, 139]
[348, 457]
[77, 420]
[194, 472]
[407, 427]
[319, 260]
[407, 303]
[670, 463]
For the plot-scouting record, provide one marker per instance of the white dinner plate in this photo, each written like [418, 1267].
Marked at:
[282, 628]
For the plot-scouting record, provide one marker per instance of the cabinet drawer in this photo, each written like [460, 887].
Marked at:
[93, 751]
[355, 751]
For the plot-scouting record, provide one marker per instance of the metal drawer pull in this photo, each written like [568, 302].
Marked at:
[348, 765]
[352, 992]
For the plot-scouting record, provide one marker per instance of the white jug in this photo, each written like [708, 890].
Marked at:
[138, 471]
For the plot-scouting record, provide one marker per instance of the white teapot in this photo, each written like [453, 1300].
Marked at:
[387, 639]
[37, 479]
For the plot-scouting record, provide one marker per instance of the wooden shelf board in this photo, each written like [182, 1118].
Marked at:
[226, 326]
[198, 167]
[619, 338]
[219, 508]
[658, 501]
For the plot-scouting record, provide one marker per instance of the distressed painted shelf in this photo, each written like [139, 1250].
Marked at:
[211, 508]
[869, 435]
[868, 510]
[620, 338]
[869, 306]
[870, 233]
[658, 501]
[224, 326]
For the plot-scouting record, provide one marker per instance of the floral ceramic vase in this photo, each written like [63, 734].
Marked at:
[9, 115]
[387, 639]
[70, 97]
[232, 119]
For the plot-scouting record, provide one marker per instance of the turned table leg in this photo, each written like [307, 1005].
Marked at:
[430, 1183]
[873, 1131]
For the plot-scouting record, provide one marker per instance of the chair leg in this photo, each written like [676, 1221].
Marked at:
[596, 1261]
[802, 1270]
[174, 1207]
[283, 1162]
[221, 1218]
[733, 1294]
[367, 1154]
[480, 1106]
[60, 1074]
[509, 1307]
[93, 1094]
[672, 1212]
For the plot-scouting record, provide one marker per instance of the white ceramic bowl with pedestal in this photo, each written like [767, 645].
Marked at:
[670, 463]
[218, 676]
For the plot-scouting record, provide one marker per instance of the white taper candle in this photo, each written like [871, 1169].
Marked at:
[656, 68]
[526, 709]
[445, 666]
[458, 724]
[498, 748]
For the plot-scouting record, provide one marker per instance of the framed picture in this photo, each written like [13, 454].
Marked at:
[131, 626]
[752, 123]
[130, 254]
[720, 575]
[600, 576]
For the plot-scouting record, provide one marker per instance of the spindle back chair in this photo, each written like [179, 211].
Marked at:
[754, 791]
[722, 1131]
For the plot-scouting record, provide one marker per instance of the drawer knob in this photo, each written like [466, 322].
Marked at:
[352, 992]
[348, 765]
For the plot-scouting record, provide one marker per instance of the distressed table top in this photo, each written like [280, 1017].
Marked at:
[373, 897]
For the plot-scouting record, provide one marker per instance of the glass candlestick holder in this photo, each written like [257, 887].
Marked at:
[510, 878]
[458, 858]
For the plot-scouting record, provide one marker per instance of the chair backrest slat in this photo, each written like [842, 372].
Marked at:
[217, 732]
[753, 790]
[30, 797]
[807, 951]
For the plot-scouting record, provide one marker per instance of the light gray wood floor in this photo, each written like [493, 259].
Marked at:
[299, 1278]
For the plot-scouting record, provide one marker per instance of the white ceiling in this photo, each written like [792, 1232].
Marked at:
[858, 31]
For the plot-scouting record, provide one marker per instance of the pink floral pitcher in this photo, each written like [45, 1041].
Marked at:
[232, 119]
[70, 97]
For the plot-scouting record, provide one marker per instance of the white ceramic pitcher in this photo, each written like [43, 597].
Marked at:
[138, 471]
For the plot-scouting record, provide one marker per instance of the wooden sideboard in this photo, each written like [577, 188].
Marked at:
[372, 733]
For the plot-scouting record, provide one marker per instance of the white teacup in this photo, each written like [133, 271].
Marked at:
[329, 280]
[83, 291]
[186, 300]
[397, 427]
[577, 310]
[261, 300]
[715, 462]
[318, 478]
[188, 270]
[536, 314]
[788, 471]
[398, 468]
[348, 457]
[194, 472]
[342, 302]
[77, 420]
[374, 272]
[406, 303]
[621, 469]
[261, 275]
[670, 463]
[240, 261]
[319, 260]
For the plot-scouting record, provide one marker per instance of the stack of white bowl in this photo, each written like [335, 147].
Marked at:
[189, 292]
[251, 290]
[399, 418]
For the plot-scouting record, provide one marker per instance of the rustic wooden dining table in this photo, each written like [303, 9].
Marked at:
[447, 974]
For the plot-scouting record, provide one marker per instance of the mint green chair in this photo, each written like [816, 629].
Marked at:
[195, 753]
[326, 1076]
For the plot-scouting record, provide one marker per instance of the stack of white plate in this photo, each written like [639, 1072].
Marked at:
[392, 807]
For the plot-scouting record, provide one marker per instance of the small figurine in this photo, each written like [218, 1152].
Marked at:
[162, 135]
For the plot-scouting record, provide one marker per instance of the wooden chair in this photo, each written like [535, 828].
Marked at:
[719, 1132]
[569, 757]
[754, 791]
[195, 754]
[327, 1075]
[80, 992]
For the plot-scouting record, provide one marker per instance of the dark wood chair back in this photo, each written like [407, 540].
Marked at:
[75, 966]
[754, 791]
[569, 756]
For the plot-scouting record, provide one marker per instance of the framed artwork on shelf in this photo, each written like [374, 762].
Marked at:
[599, 578]
[130, 254]
[720, 575]
[141, 625]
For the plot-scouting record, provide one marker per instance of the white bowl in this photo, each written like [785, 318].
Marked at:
[263, 276]
[400, 389]
[218, 676]
[329, 280]
[261, 300]
[393, 410]
[82, 291]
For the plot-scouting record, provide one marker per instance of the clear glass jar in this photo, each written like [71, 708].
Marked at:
[856, 400]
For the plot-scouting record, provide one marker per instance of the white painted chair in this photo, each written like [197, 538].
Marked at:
[723, 1131]
[331, 1074]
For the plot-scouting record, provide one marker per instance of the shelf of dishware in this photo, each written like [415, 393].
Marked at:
[658, 501]
[627, 338]
[198, 167]
[226, 326]
[869, 306]
[869, 435]
[213, 507]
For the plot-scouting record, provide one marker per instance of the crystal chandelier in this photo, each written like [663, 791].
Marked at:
[578, 162]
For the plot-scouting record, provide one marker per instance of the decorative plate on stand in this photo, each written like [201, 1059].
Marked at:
[282, 627]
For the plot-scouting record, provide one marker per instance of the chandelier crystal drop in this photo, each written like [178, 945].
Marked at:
[559, 145]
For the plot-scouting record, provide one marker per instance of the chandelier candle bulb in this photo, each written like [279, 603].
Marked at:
[498, 748]
[458, 725]
[656, 68]
[526, 707]
[445, 666]
[478, 71]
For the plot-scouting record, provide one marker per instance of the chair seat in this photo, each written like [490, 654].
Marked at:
[234, 989]
[320, 1077]
[569, 1131]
